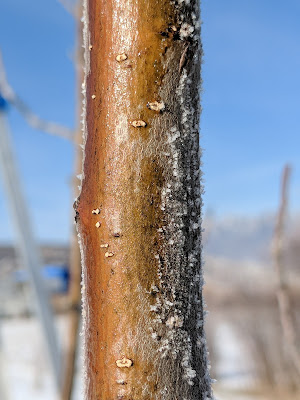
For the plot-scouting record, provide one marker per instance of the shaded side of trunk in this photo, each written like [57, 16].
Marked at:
[139, 212]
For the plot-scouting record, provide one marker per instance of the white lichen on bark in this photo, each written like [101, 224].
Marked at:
[87, 48]
[178, 325]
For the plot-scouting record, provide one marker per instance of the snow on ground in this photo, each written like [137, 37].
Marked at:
[24, 369]
[25, 372]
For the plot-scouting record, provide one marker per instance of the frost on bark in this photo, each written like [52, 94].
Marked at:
[139, 211]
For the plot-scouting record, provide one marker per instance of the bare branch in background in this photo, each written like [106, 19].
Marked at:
[283, 297]
[32, 119]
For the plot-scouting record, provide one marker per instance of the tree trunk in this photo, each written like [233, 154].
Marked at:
[139, 211]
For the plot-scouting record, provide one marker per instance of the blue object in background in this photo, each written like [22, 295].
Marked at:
[56, 277]
[3, 103]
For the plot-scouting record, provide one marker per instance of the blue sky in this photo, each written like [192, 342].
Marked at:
[250, 121]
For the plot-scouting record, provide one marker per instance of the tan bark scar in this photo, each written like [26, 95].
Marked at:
[124, 363]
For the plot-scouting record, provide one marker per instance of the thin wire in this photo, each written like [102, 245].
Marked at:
[70, 6]
[32, 119]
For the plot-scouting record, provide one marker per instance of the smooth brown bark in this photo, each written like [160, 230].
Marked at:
[139, 210]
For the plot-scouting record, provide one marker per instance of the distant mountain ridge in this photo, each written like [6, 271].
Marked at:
[244, 238]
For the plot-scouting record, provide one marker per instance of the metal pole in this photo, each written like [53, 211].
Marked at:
[3, 384]
[26, 245]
